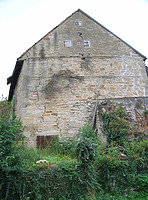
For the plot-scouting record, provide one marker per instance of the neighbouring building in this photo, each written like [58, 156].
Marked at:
[58, 80]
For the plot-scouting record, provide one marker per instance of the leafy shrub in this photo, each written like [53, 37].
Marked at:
[44, 183]
[115, 125]
[117, 175]
[59, 183]
[87, 132]
[142, 182]
[10, 135]
[86, 151]
[68, 147]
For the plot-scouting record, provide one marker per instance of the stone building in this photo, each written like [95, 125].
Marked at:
[58, 80]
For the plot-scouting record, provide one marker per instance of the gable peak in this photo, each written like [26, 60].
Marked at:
[93, 20]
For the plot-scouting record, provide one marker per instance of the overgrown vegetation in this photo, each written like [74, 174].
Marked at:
[10, 135]
[84, 168]
[115, 125]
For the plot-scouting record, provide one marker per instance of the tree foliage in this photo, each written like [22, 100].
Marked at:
[10, 135]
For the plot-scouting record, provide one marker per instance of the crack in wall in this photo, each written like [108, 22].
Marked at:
[58, 126]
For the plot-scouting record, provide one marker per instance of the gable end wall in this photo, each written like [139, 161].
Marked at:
[58, 86]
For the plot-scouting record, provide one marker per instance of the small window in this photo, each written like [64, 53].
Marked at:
[67, 43]
[78, 23]
[86, 43]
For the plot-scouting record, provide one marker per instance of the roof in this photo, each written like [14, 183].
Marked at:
[14, 78]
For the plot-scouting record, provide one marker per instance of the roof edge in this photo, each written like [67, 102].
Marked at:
[144, 57]
[14, 78]
[48, 33]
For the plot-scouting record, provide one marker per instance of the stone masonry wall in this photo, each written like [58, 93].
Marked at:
[135, 108]
[58, 86]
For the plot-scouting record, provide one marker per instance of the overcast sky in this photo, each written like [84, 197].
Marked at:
[24, 22]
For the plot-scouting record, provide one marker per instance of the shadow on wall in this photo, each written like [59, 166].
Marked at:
[60, 81]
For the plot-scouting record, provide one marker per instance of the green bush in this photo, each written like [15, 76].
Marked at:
[59, 183]
[10, 159]
[87, 132]
[142, 182]
[119, 175]
[115, 125]
[86, 151]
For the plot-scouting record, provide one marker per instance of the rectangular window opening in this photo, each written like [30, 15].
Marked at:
[86, 43]
[78, 23]
[67, 43]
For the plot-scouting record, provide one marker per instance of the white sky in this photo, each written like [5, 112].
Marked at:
[24, 22]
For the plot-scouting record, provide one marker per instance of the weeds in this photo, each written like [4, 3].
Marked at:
[80, 169]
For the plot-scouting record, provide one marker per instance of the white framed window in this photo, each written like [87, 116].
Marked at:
[78, 23]
[67, 43]
[86, 43]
